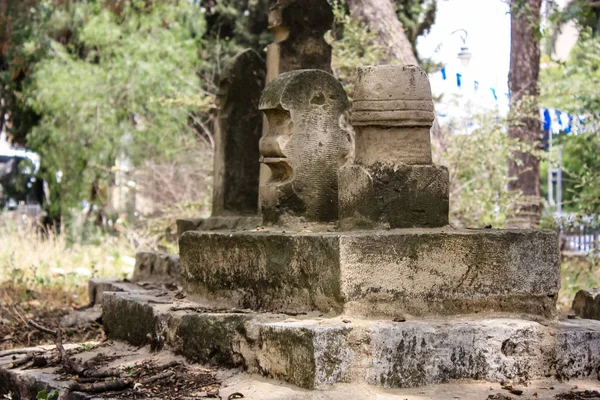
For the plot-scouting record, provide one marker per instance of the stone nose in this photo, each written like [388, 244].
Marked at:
[269, 147]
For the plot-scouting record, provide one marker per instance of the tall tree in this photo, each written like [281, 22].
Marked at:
[524, 166]
[380, 16]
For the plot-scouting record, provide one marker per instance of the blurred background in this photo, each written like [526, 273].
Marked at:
[107, 113]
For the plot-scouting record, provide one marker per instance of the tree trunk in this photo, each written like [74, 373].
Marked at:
[524, 167]
[381, 18]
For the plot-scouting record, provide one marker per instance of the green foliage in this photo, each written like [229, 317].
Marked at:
[47, 395]
[582, 12]
[573, 87]
[352, 46]
[109, 92]
[476, 153]
[576, 274]
[417, 17]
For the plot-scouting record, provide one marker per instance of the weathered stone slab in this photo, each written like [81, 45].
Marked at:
[587, 303]
[407, 196]
[156, 266]
[382, 273]
[230, 222]
[314, 352]
[98, 286]
[239, 128]
[303, 148]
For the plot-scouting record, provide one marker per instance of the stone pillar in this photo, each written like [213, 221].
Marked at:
[393, 183]
[299, 27]
[303, 148]
[238, 130]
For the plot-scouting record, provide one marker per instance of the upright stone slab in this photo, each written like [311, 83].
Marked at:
[239, 128]
[299, 27]
[303, 147]
[393, 183]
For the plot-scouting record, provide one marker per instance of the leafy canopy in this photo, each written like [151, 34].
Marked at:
[110, 92]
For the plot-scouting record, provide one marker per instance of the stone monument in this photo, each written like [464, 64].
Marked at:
[392, 296]
[238, 130]
[299, 27]
[370, 267]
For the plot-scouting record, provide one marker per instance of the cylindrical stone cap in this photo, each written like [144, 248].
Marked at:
[392, 95]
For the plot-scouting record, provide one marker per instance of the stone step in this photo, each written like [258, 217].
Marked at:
[313, 351]
[375, 274]
[25, 384]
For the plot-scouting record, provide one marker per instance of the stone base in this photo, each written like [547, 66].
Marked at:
[154, 266]
[26, 384]
[375, 273]
[403, 196]
[312, 352]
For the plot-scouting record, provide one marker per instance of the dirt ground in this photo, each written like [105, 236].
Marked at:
[19, 304]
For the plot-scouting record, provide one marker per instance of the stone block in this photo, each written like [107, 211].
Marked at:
[263, 270]
[403, 196]
[587, 303]
[98, 286]
[218, 223]
[304, 353]
[155, 266]
[376, 273]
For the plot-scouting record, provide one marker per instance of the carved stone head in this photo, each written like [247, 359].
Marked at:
[303, 147]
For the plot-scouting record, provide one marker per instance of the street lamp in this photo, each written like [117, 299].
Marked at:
[464, 55]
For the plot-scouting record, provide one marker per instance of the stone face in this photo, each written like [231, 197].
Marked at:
[239, 128]
[299, 27]
[406, 196]
[376, 274]
[393, 183]
[587, 303]
[303, 148]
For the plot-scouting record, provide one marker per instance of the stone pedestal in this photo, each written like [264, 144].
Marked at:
[387, 274]
[393, 183]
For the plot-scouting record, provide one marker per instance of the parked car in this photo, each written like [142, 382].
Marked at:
[18, 181]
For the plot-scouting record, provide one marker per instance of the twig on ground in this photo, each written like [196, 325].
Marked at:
[69, 364]
[99, 387]
[168, 365]
[20, 351]
[151, 379]
[21, 361]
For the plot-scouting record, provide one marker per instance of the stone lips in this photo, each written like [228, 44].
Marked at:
[392, 95]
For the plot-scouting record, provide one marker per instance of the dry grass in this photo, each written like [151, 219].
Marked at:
[62, 263]
[577, 273]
